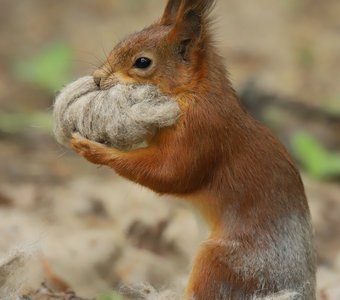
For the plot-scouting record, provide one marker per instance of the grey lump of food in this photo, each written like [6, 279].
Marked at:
[120, 117]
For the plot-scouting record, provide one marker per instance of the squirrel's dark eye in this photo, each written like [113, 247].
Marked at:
[143, 63]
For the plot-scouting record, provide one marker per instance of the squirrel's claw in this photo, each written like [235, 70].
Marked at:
[92, 151]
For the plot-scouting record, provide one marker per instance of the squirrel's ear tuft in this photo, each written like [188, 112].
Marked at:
[176, 9]
[170, 13]
[200, 7]
[190, 22]
[187, 32]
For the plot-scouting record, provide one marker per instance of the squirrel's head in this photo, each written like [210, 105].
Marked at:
[170, 53]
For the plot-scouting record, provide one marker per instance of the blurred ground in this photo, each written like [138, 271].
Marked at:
[96, 231]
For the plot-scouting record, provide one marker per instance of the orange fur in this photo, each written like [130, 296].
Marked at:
[217, 157]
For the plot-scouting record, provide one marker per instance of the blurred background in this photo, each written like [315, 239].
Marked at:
[87, 229]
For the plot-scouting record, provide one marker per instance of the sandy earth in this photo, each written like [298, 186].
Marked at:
[95, 231]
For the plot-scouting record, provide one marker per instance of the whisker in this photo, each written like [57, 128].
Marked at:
[106, 56]
[93, 65]
[98, 61]
[92, 55]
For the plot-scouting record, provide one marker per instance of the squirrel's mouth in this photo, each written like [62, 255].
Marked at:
[121, 116]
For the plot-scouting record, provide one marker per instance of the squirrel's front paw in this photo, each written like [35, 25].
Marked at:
[92, 151]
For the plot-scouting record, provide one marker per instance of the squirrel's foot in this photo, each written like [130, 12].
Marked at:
[92, 151]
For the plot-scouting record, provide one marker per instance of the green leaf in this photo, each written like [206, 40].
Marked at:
[111, 295]
[315, 158]
[50, 69]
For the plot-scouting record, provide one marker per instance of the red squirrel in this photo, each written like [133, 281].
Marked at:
[218, 158]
